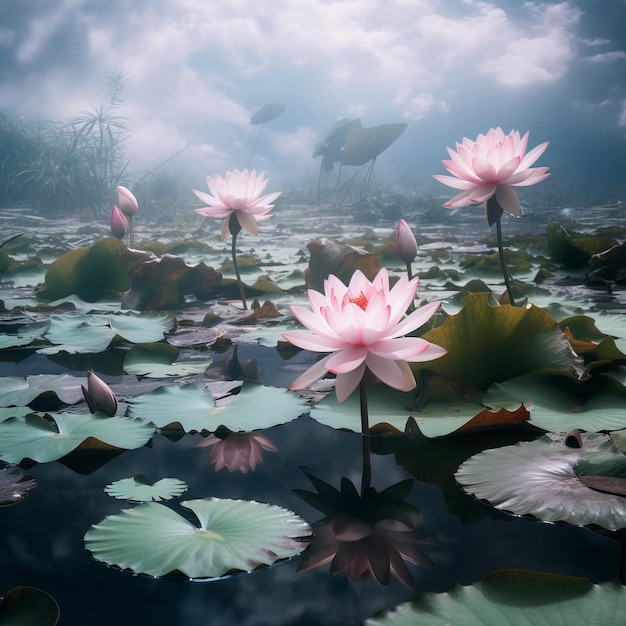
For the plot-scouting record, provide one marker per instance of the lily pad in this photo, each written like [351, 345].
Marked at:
[538, 478]
[15, 485]
[19, 392]
[233, 536]
[158, 360]
[44, 440]
[140, 489]
[364, 144]
[513, 597]
[268, 112]
[193, 407]
[26, 335]
[28, 606]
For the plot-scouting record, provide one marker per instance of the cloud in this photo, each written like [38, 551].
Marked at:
[607, 57]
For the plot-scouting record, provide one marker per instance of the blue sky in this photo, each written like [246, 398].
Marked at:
[197, 71]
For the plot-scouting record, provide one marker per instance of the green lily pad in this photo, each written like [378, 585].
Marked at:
[158, 360]
[28, 606]
[255, 407]
[513, 597]
[558, 402]
[14, 411]
[43, 440]
[26, 335]
[487, 343]
[538, 478]
[233, 536]
[15, 485]
[140, 489]
[19, 392]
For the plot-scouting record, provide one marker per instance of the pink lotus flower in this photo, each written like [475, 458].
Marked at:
[99, 396]
[127, 201]
[237, 197]
[238, 452]
[361, 325]
[492, 164]
[119, 223]
[405, 242]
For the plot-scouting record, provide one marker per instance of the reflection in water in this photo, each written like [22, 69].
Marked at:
[366, 536]
[238, 452]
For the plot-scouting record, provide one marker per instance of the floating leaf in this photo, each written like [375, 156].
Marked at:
[268, 112]
[158, 360]
[42, 440]
[28, 606]
[78, 334]
[25, 335]
[364, 144]
[513, 597]
[15, 485]
[140, 489]
[233, 536]
[194, 408]
[538, 478]
[142, 328]
[19, 392]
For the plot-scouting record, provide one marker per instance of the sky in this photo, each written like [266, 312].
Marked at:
[197, 72]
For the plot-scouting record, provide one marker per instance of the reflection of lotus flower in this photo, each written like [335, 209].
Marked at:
[99, 396]
[368, 536]
[238, 452]
[492, 164]
[119, 223]
[127, 201]
[405, 242]
[237, 198]
[361, 325]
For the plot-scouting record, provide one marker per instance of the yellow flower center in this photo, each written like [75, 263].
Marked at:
[360, 300]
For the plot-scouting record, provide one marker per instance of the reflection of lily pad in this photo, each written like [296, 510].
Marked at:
[538, 478]
[140, 489]
[34, 437]
[14, 485]
[254, 407]
[514, 597]
[234, 536]
[158, 360]
[28, 606]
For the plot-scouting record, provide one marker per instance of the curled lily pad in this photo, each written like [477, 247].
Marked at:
[514, 597]
[19, 392]
[538, 478]
[28, 606]
[194, 408]
[140, 489]
[43, 440]
[233, 536]
[15, 485]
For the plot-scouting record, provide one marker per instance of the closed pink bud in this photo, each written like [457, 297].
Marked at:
[405, 242]
[119, 223]
[99, 396]
[127, 201]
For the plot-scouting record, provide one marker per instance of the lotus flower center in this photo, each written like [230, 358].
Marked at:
[360, 300]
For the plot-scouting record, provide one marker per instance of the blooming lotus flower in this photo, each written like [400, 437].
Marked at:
[119, 223]
[492, 165]
[361, 325]
[99, 396]
[127, 201]
[238, 452]
[237, 198]
[405, 242]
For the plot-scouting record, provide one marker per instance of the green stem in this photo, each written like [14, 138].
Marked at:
[366, 478]
[505, 273]
[242, 295]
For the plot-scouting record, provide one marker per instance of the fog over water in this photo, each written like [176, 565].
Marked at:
[197, 71]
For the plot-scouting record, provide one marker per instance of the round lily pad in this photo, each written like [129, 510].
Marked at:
[538, 478]
[233, 536]
[140, 489]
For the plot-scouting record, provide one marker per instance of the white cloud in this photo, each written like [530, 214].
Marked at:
[622, 117]
[607, 57]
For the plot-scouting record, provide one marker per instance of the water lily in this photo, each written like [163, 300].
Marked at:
[486, 170]
[129, 206]
[99, 396]
[119, 223]
[237, 199]
[406, 244]
[361, 325]
[238, 452]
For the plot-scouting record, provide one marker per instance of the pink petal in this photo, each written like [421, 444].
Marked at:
[315, 372]
[484, 169]
[416, 319]
[430, 354]
[348, 382]
[248, 222]
[533, 155]
[508, 200]
[508, 168]
[401, 348]
[315, 343]
[395, 374]
[537, 175]
[456, 183]
[345, 360]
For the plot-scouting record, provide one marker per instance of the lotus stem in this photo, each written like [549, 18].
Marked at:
[255, 143]
[242, 294]
[366, 477]
[505, 273]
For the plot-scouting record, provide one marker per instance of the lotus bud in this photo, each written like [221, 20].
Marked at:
[405, 242]
[127, 201]
[99, 396]
[119, 223]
